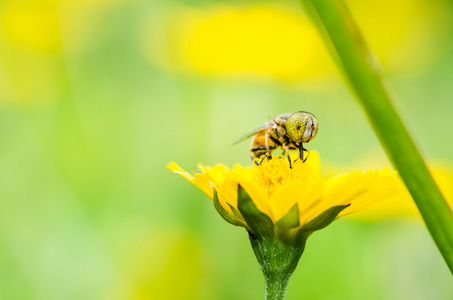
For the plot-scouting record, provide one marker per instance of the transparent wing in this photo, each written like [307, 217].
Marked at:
[251, 133]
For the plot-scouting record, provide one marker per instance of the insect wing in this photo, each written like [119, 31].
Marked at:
[251, 133]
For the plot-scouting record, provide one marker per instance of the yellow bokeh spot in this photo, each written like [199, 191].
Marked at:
[31, 27]
[260, 41]
[265, 40]
[277, 40]
[404, 34]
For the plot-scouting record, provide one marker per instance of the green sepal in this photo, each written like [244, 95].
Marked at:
[291, 219]
[259, 223]
[224, 213]
[286, 227]
[321, 221]
[236, 212]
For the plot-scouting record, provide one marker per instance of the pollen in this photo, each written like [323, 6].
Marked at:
[273, 173]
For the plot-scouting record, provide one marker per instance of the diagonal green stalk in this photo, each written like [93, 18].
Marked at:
[346, 44]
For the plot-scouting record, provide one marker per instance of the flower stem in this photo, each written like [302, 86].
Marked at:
[361, 71]
[276, 287]
[278, 260]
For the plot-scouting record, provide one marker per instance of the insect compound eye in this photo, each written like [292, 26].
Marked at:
[295, 126]
[301, 127]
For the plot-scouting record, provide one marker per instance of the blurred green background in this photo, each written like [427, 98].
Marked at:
[96, 97]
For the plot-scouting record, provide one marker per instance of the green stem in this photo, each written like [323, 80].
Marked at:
[276, 287]
[362, 73]
[277, 260]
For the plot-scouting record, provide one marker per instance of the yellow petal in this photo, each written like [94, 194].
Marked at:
[172, 166]
[201, 181]
[382, 186]
[204, 183]
[312, 204]
[256, 192]
[303, 192]
[314, 162]
[228, 192]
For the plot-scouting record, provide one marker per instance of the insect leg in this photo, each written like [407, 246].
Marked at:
[308, 154]
[259, 151]
[287, 155]
[252, 156]
[301, 152]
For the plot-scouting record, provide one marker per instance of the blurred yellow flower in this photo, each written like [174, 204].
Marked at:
[265, 40]
[277, 40]
[261, 40]
[31, 26]
[38, 40]
[40, 25]
[280, 192]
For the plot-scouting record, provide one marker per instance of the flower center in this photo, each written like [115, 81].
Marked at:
[276, 172]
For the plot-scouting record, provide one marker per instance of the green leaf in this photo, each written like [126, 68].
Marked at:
[225, 214]
[291, 219]
[259, 223]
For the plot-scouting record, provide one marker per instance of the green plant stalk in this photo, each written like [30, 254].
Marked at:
[278, 262]
[361, 71]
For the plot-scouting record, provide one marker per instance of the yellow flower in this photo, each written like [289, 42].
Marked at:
[281, 207]
[275, 40]
[292, 198]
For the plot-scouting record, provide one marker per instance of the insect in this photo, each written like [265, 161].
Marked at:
[286, 131]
